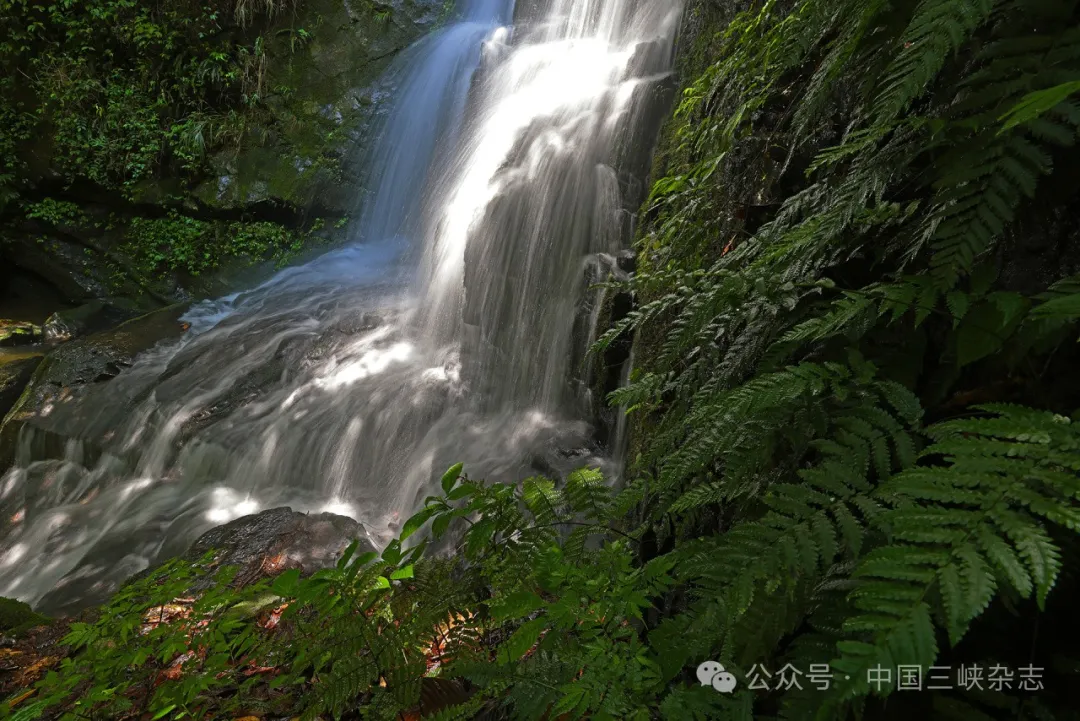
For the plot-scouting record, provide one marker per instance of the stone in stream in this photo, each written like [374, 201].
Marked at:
[89, 318]
[260, 545]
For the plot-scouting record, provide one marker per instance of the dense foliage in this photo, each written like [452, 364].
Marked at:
[856, 441]
[856, 271]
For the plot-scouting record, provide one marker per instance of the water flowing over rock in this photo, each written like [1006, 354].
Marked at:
[452, 329]
[48, 405]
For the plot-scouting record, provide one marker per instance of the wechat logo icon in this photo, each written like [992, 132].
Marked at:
[711, 673]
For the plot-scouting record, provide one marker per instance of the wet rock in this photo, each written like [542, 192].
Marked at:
[17, 332]
[15, 374]
[260, 545]
[32, 651]
[86, 319]
[267, 543]
[59, 377]
[63, 263]
[83, 265]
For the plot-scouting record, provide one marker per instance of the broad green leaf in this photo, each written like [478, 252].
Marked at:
[285, 583]
[985, 328]
[402, 573]
[1066, 307]
[521, 641]
[415, 523]
[516, 605]
[392, 553]
[451, 476]
[440, 524]
[343, 562]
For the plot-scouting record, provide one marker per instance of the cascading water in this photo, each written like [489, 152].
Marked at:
[445, 333]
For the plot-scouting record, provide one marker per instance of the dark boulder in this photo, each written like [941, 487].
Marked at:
[92, 317]
[260, 545]
[266, 543]
[62, 262]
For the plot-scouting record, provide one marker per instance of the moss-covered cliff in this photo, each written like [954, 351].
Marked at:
[149, 146]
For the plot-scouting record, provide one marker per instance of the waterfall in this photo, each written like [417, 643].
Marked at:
[444, 333]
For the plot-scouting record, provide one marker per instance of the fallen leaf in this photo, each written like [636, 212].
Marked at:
[269, 621]
[166, 614]
[261, 669]
[31, 672]
[176, 668]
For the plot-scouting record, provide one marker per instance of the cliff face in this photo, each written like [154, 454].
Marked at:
[160, 153]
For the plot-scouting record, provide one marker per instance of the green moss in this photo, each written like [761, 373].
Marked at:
[17, 618]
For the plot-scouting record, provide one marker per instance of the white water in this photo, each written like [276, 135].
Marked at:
[450, 330]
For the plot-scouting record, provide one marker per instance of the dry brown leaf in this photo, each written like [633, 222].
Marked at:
[269, 621]
[31, 673]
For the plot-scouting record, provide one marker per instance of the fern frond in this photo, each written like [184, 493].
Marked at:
[937, 29]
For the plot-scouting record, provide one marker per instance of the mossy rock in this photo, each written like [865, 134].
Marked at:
[17, 332]
[332, 90]
[16, 617]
